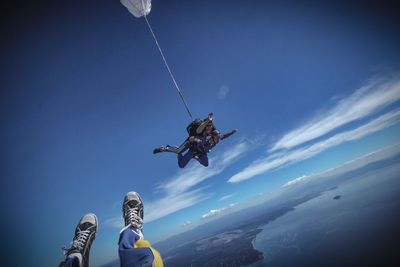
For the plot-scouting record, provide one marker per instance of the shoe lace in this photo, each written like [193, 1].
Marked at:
[133, 218]
[78, 242]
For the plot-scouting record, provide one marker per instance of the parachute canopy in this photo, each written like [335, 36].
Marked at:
[138, 8]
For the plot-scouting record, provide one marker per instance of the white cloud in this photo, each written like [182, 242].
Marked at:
[365, 101]
[223, 92]
[213, 213]
[348, 166]
[226, 197]
[187, 223]
[116, 222]
[172, 202]
[297, 180]
[278, 160]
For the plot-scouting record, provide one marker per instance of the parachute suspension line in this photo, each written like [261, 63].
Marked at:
[167, 66]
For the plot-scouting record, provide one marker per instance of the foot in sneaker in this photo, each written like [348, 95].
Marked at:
[133, 210]
[159, 149]
[85, 233]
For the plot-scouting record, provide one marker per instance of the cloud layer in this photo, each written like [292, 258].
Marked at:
[365, 102]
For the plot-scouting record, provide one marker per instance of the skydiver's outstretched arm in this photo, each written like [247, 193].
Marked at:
[228, 134]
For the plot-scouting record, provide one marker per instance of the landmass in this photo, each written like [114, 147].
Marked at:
[232, 246]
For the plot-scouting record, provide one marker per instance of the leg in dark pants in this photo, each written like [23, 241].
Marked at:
[178, 150]
[184, 159]
[203, 159]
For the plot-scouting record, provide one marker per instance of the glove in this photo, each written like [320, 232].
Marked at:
[210, 116]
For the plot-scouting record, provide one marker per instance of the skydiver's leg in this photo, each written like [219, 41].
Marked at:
[183, 147]
[173, 149]
[184, 159]
[133, 250]
[178, 150]
[203, 159]
[130, 255]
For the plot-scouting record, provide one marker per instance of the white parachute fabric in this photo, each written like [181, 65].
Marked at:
[138, 8]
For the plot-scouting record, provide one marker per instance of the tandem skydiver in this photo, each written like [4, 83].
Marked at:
[203, 136]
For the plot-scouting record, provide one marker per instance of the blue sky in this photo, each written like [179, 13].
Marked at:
[85, 98]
